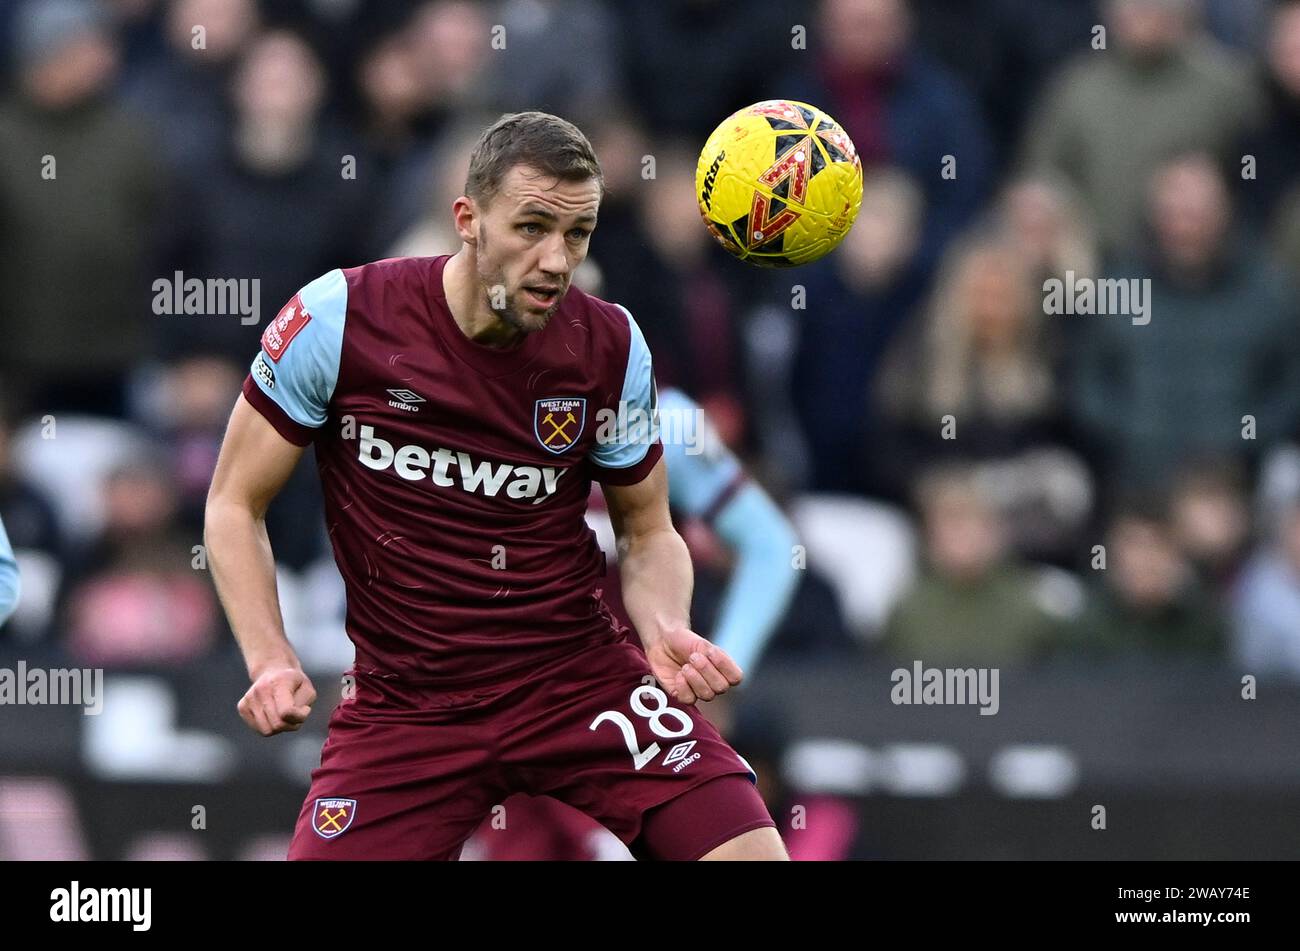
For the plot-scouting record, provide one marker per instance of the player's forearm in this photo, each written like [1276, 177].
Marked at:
[9, 588]
[763, 580]
[243, 569]
[9, 585]
[657, 580]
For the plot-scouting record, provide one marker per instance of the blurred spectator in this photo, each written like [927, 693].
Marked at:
[1220, 345]
[391, 97]
[975, 380]
[973, 604]
[1210, 516]
[434, 232]
[900, 108]
[1266, 635]
[438, 68]
[1275, 145]
[187, 412]
[560, 56]
[981, 354]
[690, 63]
[77, 196]
[1041, 218]
[1004, 53]
[1150, 600]
[1108, 118]
[1272, 198]
[140, 29]
[1238, 23]
[272, 204]
[856, 301]
[137, 597]
[684, 293]
[181, 89]
[622, 144]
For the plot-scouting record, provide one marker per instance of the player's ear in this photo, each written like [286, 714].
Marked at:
[465, 214]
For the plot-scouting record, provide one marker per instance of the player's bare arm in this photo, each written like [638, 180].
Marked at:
[657, 580]
[254, 464]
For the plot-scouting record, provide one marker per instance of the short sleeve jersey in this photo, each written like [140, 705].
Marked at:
[456, 475]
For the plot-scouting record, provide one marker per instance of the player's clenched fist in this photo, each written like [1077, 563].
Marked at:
[278, 700]
[691, 668]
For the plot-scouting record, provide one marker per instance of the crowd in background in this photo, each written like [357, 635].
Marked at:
[976, 479]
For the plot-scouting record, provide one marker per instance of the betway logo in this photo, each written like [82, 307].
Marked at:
[487, 478]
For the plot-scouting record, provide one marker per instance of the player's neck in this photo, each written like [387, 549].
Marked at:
[469, 309]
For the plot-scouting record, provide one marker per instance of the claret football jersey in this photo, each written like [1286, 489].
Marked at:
[456, 475]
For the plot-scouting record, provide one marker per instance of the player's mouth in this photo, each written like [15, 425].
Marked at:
[543, 295]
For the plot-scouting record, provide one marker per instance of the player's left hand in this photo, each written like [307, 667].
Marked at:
[690, 668]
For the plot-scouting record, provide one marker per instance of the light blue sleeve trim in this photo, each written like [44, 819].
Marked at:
[764, 578]
[629, 441]
[700, 466]
[302, 382]
[9, 584]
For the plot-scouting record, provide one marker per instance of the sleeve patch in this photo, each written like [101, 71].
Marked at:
[287, 324]
[637, 426]
[262, 370]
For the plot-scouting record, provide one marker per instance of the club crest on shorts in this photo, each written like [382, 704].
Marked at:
[558, 422]
[333, 816]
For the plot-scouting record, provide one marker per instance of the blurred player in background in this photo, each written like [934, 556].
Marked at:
[8, 577]
[459, 410]
[709, 491]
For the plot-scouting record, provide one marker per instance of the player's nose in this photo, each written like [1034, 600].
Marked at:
[555, 259]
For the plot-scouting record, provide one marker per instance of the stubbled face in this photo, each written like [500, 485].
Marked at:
[531, 237]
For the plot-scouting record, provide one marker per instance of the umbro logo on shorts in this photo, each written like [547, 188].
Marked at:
[681, 755]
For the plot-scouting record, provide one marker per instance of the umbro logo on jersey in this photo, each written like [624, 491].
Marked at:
[681, 755]
[405, 399]
[447, 468]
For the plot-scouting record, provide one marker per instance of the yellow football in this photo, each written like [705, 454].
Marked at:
[779, 183]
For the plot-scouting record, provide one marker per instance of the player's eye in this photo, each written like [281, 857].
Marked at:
[536, 228]
[578, 234]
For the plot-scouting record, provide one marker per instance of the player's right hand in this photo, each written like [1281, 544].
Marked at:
[278, 701]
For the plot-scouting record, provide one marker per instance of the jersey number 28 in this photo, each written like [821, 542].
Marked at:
[656, 715]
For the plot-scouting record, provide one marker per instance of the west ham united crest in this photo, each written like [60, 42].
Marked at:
[333, 816]
[558, 422]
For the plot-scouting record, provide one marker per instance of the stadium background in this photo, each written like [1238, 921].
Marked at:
[1001, 147]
